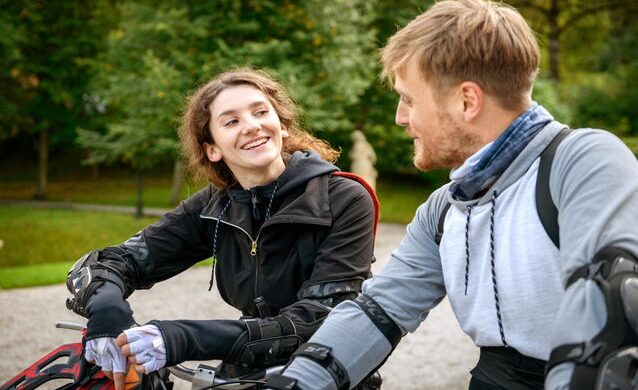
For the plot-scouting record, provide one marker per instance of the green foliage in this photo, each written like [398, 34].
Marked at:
[120, 70]
[42, 49]
[139, 84]
[545, 93]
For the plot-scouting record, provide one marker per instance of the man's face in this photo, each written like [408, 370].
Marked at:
[433, 121]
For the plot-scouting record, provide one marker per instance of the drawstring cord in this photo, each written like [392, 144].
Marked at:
[492, 261]
[467, 246]
[274, 191]
[219, 219]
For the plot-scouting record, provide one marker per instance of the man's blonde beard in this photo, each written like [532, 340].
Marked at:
[456, 147]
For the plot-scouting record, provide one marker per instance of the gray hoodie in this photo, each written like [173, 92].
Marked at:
[594, 184]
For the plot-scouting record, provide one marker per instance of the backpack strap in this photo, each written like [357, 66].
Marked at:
[547, 211]
[373, 194]
[439, 226]
[307, 244]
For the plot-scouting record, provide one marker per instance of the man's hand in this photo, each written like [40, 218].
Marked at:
[143, 347]
[104, 352]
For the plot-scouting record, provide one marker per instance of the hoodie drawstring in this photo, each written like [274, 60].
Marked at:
[492, 263]
[219, 220]
[467, 246]
[497, 303]
[255, 213]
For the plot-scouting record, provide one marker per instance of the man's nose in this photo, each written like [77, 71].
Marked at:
[401, 116]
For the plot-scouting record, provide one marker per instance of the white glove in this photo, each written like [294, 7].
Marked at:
[147, 346]
[106, 354]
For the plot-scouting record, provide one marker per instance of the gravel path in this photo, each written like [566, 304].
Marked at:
[437, 356]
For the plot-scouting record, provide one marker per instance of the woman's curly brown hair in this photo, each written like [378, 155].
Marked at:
[195, 129]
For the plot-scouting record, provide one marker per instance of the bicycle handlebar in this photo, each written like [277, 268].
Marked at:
[202, 377]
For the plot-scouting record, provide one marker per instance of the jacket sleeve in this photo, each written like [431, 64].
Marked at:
[163, 249]
[343, 258]
[342, 263]
[594, 184]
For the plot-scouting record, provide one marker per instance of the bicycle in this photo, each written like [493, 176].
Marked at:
[66, 368]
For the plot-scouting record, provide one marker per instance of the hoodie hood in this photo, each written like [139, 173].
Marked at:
[301, 168]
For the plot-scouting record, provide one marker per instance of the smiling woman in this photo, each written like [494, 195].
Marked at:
[289, 239]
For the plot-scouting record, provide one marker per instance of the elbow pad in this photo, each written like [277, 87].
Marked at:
[380, 319]
[610, 359]
[84, 277]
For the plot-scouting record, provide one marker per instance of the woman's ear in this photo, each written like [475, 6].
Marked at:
[284, 131]
[212, 152]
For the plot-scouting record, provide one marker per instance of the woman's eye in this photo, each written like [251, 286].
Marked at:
[261, 112]
[231, 122]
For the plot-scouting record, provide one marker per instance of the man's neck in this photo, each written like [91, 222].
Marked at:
[495, 119]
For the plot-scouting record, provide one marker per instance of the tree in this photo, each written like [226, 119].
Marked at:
[141, 78]
[559, 16]
[44, 45]
[324, 52]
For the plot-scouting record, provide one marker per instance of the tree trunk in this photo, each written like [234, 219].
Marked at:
[139, 207]
[554, 41]
[43, 164]
[176, 187]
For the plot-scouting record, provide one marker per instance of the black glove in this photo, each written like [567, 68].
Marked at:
[109, 314]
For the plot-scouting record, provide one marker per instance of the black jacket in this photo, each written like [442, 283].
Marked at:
[314, 250]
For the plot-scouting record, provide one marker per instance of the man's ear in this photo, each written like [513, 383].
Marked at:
[212, 152]
[472, 96]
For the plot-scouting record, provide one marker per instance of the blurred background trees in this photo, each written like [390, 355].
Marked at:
[105, 81]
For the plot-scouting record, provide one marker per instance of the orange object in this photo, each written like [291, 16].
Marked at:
[133, 379]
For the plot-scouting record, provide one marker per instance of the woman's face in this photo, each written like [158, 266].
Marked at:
[247, 135]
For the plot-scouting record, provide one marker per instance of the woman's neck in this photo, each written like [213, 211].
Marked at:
[251, 179]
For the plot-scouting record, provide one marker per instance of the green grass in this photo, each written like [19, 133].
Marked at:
[400, 199]
[38, 246]
[37, 236]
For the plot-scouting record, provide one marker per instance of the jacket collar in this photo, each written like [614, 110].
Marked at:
[309, 204]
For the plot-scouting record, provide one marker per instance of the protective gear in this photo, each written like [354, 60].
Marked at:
[610, 358]
[268, 341]
[147, 345]
[106, 354]
[322, 355]
[108, 313]
[84, 277]
[380, 319]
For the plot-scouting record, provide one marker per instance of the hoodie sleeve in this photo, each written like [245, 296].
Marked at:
[594, 184]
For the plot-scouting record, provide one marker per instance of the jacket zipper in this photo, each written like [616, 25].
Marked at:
[253, 245]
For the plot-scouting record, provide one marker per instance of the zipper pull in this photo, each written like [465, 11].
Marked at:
[253, 248]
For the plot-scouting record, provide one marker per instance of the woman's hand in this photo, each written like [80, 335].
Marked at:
[104, 352]
[143, 347]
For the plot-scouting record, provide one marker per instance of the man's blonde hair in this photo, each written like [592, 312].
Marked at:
[469, 40]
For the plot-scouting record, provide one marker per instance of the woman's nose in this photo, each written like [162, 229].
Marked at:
[251, 124]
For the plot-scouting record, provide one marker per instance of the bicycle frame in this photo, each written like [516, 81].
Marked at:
[79, 374]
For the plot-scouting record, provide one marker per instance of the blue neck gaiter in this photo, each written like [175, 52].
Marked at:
[499, 155]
